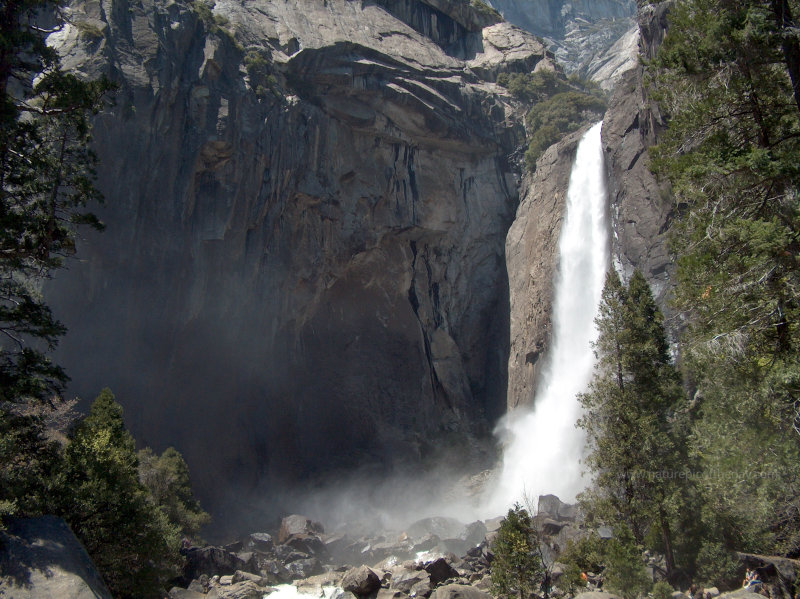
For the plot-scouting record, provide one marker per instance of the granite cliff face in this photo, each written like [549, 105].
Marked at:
[553, 18]
[322, 251]
[307, 206]
[595, 39]
[641, 207]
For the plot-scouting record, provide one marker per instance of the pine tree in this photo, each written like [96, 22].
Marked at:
[625, 572]
[633, 415]
[46, 179]
[167, 478]
[727, 77]
[516, 566]
[46, 174]
[128, 536]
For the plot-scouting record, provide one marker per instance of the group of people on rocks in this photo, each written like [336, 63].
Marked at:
[752, 582]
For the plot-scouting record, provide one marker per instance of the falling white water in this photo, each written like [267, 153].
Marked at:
[543, 447]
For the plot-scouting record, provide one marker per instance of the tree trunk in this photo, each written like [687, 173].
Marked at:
[789, 45]
[666, 536]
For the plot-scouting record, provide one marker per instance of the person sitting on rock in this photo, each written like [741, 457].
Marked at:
[747, 576]
[752, 582]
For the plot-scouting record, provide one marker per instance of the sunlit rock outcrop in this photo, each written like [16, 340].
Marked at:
[41, 557]
[585, 35]
[532, 258]
[641, 207]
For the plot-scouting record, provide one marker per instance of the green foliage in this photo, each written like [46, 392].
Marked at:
[662, 590]
[535, 87]
[634, 417]
[572, 580]
[587, 554]
[128, 536]
[262, 80]
[28, 463]
[625, 572]
[167, 478]
[46, 179]
[204, 10]
[215, 23]
[560, 106]
[553, 118]
[727, 76]
[483, 8]
[564, 110]
[541, 139]
[516, 567]
[717, 566]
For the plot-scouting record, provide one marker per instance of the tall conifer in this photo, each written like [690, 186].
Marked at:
[631, 416]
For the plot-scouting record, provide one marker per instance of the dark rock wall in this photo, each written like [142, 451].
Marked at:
[311, 268]
[301, 278]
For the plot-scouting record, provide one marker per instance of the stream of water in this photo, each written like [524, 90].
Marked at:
[543, 447]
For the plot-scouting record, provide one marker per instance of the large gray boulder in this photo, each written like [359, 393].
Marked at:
[440, 570]
[596, 595]
[296, 524]
[211, 560]
[361, 581]
[41, 557]
[459, 591]
[261, 541]
[552, 507]
[405, 579]
[241, 590]
[779, 574]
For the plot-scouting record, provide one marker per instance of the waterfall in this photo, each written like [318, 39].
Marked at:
[543, 447]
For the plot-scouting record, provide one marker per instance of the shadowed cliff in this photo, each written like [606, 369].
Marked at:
[307, 206]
